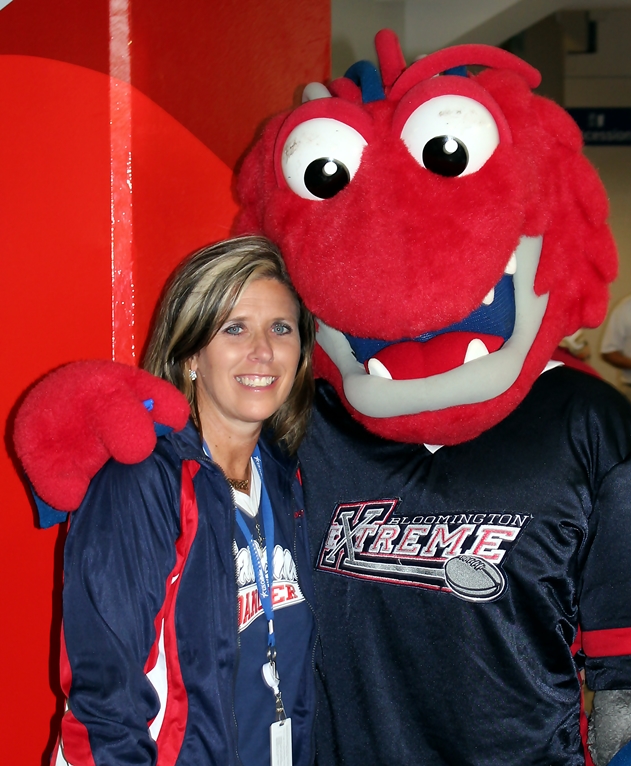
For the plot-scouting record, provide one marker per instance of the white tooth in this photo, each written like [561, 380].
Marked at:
[511, 266]
[259, 382]
[489, 297]
[375, 367]
[475, 350]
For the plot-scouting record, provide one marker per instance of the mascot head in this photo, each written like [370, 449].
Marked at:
[443, 227]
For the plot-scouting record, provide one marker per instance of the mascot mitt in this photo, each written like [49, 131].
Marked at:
[80, 416]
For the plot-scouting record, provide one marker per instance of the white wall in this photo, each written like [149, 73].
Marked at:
[354, 24]
[604, 79]
[614, 165]
[424, 26]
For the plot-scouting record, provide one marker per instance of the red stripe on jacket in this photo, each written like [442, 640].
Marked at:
[173, 726]
[74, 735]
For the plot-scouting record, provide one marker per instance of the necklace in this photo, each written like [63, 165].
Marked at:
[241, 485]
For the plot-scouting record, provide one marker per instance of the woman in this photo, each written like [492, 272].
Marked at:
[178, 648]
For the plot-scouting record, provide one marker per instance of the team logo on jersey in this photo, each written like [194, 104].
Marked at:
[285, 588]
[459, 552]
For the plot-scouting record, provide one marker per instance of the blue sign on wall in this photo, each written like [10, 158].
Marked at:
[606, 126]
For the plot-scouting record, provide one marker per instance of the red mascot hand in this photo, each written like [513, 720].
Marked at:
[82, 414]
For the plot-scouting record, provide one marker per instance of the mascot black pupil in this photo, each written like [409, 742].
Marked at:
[445, 156]
[325, 177]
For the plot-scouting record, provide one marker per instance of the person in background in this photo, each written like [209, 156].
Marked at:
[577, 345]
[615, 347]
[187, 605]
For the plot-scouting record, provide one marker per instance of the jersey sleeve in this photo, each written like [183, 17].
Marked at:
[605, 597]
[118, 556]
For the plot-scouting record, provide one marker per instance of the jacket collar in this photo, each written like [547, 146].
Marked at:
[188, 446]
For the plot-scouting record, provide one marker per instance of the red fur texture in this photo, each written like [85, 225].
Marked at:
[60, 455]
[402, 251]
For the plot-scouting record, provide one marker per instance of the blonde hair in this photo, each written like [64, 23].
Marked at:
[196, 303]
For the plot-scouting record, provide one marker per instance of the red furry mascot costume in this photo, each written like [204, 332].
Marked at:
[446, 231]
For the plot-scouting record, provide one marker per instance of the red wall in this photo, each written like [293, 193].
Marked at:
[74, 201]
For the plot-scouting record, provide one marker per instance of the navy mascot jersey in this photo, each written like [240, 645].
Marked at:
[451, 585]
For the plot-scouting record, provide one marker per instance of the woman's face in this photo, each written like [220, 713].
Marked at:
[247, 370]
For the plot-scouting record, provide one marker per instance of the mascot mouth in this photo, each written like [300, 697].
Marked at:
[484, 331]
[472, 361]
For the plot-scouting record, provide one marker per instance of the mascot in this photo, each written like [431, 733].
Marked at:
[468, 501]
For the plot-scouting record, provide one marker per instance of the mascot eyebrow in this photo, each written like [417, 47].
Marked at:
[445, 230]
[452, 61]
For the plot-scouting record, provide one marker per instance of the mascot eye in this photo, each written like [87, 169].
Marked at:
[451, 135]
[325, 177]
[320, 157]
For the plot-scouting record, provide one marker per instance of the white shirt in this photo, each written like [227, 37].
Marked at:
[250, 503]
[617, 335]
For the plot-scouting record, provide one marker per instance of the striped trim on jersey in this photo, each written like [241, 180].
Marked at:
[612, 642]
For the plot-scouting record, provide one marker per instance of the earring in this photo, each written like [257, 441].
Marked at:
[192, 374]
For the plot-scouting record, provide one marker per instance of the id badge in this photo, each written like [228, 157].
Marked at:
[280, 743]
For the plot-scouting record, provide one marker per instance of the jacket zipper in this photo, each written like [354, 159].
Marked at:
[236, 600]
[238, 652]
[211, 462]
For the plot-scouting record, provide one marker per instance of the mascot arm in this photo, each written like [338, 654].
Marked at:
[605, 616]
[82, 414]
[610, 728]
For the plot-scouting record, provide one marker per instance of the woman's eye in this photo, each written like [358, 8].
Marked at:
[280, 328]
[233, 329]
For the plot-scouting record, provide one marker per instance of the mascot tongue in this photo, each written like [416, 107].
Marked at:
[413, 359]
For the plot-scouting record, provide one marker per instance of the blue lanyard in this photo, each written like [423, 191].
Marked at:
[263, 575]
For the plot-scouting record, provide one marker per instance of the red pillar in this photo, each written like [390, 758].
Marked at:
[106, 184]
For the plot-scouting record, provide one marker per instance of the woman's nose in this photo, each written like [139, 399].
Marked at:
[262, 350]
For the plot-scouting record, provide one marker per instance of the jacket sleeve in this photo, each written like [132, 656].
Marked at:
[118, 556]
[605, 606]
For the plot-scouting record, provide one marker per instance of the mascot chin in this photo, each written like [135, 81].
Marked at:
[469, 501]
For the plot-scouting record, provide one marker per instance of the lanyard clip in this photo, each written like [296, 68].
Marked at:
[280, 708]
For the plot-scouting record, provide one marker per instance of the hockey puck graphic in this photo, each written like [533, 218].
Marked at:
[473, 578]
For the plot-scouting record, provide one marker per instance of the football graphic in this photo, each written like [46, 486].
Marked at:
[473, 578]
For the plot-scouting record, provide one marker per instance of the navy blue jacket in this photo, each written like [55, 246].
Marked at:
[150, 611]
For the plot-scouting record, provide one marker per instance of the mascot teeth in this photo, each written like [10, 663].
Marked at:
[489, 297]
[475, 350]
[375, 367]
[511, 266]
